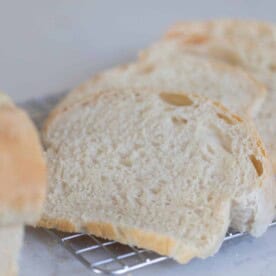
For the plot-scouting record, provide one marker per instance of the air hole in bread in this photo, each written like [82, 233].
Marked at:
[218, 138]
[226, 118]
[179, 120]
[218, 104]
[257, 164]
[237, 117]
[176, 99]
[260, 146]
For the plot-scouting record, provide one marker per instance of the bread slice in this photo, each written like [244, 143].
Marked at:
[174, 71]
[10, 245]
[22, 167]
[165, 171]
[247, 44]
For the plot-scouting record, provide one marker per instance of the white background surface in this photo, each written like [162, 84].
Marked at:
[50, 46]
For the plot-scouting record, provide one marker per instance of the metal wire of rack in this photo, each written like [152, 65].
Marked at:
[99, 255]
[111, 257]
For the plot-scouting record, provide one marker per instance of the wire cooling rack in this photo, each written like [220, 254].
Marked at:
[111, 257]
[99, 255]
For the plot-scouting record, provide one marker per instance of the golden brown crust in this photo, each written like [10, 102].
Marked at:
[258, 88]
[219, 65]
[59, 224]
[161, 244]
[104, 230]
[153, 241]
[200, 31]
[22, 168]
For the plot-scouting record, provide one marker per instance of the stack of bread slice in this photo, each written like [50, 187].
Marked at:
[22, 181]
[245, 44]
[163, 153]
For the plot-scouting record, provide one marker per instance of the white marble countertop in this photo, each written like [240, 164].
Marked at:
[50, 46]
[243, 256]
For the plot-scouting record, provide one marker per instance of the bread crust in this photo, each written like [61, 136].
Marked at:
[201, 30]
[260, 90]
[161, 244]
[65, 105]
[59, 224]
[22, 168]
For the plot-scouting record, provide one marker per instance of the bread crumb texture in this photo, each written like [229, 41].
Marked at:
[167, 171]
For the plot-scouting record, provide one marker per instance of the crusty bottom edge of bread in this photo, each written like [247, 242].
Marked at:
[162, 244]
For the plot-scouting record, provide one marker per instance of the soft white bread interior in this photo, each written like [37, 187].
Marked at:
[165, 171]
[168, 68]
[10, 245]
[250, 45]
[22, 167]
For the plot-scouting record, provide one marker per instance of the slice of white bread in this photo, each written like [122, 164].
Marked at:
[175, 72]
[247, 44]
[165, 171]
[10, 245]
[22, 167]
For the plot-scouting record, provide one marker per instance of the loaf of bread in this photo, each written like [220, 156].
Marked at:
[169, 69]
[166, 171]
[22, 181]
[22, 167]
[247, 44]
